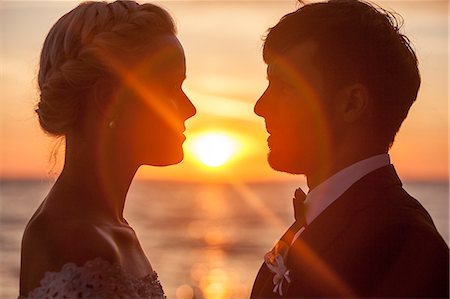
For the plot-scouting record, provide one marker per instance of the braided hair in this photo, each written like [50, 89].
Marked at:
[73, 55]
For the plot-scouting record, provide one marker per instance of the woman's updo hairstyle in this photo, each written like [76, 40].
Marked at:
[74, 54]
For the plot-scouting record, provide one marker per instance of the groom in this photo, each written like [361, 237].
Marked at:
[341, 81]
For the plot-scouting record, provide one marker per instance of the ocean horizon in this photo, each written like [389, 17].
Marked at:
[205, 240]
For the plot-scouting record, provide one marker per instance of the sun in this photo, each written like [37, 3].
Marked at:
[213, 149]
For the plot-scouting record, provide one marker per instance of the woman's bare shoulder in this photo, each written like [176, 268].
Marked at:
[50, 241]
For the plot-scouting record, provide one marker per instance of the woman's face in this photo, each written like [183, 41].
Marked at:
[152, 107]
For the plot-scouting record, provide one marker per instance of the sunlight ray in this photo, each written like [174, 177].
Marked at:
[325, 275]
[258, 205]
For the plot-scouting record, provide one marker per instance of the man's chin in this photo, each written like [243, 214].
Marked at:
[284, 163]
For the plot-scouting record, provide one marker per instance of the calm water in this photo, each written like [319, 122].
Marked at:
[203, 239]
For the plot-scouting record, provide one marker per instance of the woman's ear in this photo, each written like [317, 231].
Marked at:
[103, 94]
[353, 103]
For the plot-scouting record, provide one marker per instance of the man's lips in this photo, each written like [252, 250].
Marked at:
[270, 137]
[269, 129]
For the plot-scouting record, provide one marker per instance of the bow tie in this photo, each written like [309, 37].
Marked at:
[276, 258]
[299, 206]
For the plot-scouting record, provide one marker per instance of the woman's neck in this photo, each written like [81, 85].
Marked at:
[95, 183]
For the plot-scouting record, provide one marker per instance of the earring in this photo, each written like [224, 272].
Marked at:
[112, 124]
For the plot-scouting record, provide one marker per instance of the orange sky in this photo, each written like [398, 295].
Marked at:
[225, 76]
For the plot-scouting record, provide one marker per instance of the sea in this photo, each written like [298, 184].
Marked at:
[205, 240]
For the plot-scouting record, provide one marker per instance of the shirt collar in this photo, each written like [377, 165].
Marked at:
[319, 198]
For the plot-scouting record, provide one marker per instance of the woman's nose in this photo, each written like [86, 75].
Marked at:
[188, 109]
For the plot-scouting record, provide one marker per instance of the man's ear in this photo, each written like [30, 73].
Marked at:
[353, 102]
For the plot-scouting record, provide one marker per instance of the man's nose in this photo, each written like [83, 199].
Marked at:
[261, 104]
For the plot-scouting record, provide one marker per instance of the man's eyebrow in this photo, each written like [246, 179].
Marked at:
[270, 72]
[180, 76]
[273, 73]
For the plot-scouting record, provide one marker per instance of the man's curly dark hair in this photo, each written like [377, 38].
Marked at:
[358, 42]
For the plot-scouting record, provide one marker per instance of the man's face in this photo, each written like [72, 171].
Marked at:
[295, 111]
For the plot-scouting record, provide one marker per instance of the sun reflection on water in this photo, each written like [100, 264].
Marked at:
[212, 283]
[184, 291]
[213, 277]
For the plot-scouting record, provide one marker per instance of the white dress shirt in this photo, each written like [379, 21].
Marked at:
[319, 198]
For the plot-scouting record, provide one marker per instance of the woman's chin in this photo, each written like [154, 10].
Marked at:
[166, 159]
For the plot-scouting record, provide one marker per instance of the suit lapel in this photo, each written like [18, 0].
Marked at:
[306, 254]
[305, 260]
[333, 221]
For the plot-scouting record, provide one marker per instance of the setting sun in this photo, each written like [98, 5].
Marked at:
[213, 149]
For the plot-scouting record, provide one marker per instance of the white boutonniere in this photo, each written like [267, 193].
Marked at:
[274, 260]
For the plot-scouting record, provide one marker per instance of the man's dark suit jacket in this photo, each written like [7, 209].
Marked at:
[374, 241]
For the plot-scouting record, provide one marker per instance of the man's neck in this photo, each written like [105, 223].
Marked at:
[324, 172]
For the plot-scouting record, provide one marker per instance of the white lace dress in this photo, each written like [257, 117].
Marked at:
[97, 279]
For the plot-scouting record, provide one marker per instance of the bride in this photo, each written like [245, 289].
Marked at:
[110, 82]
